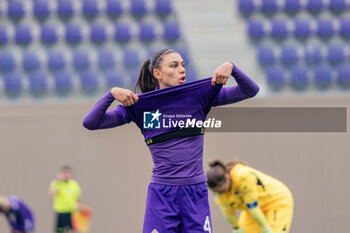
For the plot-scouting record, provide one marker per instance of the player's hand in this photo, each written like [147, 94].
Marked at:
[222, 73]
[238, 230]
[124, 96]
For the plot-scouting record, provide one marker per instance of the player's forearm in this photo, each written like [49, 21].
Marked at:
[230, 215]
[258, 216]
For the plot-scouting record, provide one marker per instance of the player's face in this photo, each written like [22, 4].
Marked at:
[171, 72]
[66, 175]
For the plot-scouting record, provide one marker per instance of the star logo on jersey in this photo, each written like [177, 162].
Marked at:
[151, 120]
[155, 231]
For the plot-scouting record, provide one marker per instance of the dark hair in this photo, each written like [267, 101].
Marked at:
[146, 81]
[66, 168]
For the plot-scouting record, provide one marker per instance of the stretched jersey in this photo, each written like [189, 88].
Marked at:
[67, 195]
[20, 217]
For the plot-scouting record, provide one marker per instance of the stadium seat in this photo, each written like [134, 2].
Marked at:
[246, 7]
[15, 10]
[63, 82]
[7, 61]
[49, 34]
[191, 74]
[289, 54]
[56, 60]
[90, 9]
[41, 9]
[81, 59]
[279, 29]
[269, 6]
[302, 28]
[322, 76]
[344, 76]
[292, 6]
[114, 78]
[23, 35]
[30, 61]
[114, 8]
[89, 81]
[325, 28]
[37, 83]
[138, 8]
[185, 54]
[163, 7]
[106, 58]
[65, 9]
[122, 32]
[266, 55]
[337, 6]
[256, 29]
[299, 77]
[336, 53]
[315, 6]
[4, 37]
[147, 32]
[73, 33]
[13, 84]
[131, 58]
[171, 31]
[313, 54]
[98, 33]
[276, 77]
[344, 29]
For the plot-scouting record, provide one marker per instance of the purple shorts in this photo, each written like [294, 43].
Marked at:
[177, 209]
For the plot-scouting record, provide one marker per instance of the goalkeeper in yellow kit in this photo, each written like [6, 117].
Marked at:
[266, 204]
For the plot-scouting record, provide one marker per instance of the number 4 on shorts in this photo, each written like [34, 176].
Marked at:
[206, 225]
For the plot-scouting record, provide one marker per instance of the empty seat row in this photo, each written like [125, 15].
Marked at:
[301, 28]
[42, 9]
[292, 6]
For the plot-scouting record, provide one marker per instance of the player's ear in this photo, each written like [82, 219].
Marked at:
[157, 74]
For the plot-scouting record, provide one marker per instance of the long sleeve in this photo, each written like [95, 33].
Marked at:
[245, 88]
[101, 118]
[230, 215]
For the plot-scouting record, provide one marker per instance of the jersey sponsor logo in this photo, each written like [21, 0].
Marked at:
[154, 231]
[151, 120]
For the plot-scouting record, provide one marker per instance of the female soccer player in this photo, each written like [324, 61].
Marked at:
[177, 199]
[18, 214]
[266, 203]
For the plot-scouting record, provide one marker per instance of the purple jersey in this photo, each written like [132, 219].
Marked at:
[177, 161]
[20, 216]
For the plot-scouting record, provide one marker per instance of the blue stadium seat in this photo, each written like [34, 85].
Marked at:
[289, 54]
[266, 55]
[90, 9]
[65, 9]
[13, 84]
[185, 54]
[163, 7]
[30, 61]
[114, 78]
[63, 82]
[15, 10]
[49, 34]
[73, 33]
[133, 75]
[41, 9]
[315, 6]
[299, 77]
[138, 8]
[246, 7]
[322, 76]
[256, 29]
[269, 6]
[4, 37]
[313, 54]
[56, 60]
[276, 77]
[106, 58]
[89, 81]
[302, 28]
[147, 32]
[325, 28]
[344, 76]
[292, 6]
[81, 59]
[337, 6]
[344, 29]
[98, 33]
[336, 53]
[122, 32]
[279, 29]
[23, 35]
[191, 74]
[131, 58]
[114, 8]
[171, 31]
[7, 61]
[37, 83]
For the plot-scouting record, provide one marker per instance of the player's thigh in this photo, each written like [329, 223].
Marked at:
[280, 216]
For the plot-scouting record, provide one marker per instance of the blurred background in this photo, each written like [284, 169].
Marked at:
[57, 57]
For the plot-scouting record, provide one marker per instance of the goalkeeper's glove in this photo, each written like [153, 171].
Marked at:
[267, 230]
